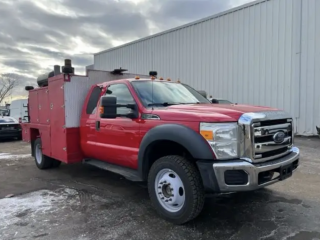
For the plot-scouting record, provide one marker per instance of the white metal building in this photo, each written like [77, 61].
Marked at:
[262, 53]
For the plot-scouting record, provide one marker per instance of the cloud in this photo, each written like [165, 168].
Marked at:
[168, 12]
[37, 34]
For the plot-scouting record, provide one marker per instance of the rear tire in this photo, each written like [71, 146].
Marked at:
[175, 189]
[43, 161]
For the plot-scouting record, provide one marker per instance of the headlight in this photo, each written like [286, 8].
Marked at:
[223, 139]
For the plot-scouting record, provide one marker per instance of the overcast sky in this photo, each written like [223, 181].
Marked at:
[36, 34]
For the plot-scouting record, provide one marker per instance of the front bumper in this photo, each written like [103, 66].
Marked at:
[240, 175]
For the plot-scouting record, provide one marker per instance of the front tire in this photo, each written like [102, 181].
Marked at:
[176, 190]
[43, 161]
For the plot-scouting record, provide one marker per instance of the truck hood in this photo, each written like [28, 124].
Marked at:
[207, 112]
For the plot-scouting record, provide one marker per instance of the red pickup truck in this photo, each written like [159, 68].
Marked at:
[161, 132]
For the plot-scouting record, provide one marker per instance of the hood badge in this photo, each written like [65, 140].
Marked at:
[279, 137]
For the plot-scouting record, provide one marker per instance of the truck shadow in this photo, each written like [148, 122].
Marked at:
[247, 215]
[221, 207]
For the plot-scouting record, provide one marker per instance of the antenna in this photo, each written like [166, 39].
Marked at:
[152, 81]
[153, 75]
[152, 94]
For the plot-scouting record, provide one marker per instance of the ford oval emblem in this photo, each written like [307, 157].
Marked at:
[279, 137]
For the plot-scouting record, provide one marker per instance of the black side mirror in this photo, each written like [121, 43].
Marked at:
[203, 93]
[215, 101]
[108, 106]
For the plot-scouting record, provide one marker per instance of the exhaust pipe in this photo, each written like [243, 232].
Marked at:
[56, 70]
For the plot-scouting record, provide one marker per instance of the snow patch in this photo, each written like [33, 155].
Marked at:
[30, 206]
[8, 156]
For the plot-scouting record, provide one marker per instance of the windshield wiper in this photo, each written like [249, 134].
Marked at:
[162, 104]
[169, 104]
[191, 103]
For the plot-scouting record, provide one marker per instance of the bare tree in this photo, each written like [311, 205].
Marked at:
[7, 83]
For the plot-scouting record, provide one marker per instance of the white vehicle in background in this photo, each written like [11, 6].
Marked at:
[19, 110]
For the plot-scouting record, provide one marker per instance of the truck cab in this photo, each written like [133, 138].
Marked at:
[163, 133]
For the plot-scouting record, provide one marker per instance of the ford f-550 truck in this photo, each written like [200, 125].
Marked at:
[161, 132]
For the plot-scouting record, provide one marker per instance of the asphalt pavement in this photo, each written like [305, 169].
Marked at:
[80, 202]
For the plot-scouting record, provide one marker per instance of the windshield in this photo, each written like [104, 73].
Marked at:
[167, 92]
[6, 120]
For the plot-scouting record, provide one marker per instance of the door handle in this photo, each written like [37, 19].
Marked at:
[97, 125]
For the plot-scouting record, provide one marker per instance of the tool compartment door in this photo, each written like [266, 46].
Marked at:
[57, 119]
[44, 108]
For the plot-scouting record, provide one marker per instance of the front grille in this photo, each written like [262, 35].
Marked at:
[265, 145]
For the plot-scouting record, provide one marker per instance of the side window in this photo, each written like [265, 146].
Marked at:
[93, 100]
[123, 95]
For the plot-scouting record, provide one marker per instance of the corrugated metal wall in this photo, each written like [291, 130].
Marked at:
[309, 85]
[255, 54]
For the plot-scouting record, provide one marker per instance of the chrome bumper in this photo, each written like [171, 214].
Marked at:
[252, 170]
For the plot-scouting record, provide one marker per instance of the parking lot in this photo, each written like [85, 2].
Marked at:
[81, 202]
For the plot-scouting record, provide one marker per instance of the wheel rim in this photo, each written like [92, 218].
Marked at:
[170, 190]
[38, 154]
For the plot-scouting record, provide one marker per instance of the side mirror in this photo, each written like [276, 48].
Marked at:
[203, 93]
[214, 101]
[108, 107]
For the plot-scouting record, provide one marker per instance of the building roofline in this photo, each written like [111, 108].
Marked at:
[186, 25]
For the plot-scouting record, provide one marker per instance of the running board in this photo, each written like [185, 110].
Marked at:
[128, 173]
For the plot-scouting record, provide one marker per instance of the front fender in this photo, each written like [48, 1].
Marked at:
[183, 135]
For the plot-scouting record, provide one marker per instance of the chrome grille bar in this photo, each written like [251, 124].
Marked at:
[257, 135]
[271, 130]
[265, 147]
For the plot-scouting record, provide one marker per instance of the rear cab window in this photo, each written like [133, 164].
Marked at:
[93, 100]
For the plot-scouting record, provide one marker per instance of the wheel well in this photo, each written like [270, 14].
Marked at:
[160, 149]
[34, 134]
